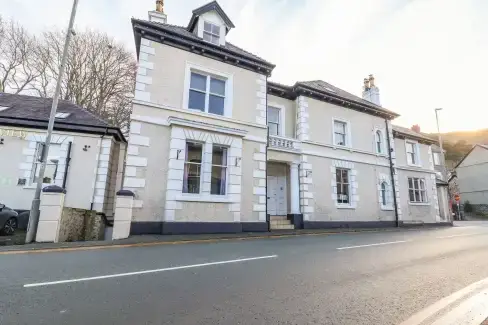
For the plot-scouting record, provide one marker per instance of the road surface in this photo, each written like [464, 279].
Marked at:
[363, 278]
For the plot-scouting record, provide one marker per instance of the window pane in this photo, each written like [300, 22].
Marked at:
[340, 139]
[196, 100]
[191, 179]
[273, 114]
[217, 86]
[215, 30]
[423, 198]
[193, 152]
[340, 127]
[219, 156]
[216, 105]
[410, 183]
[207, 37]
[198, 81]
[49, 173]
[215, 39]
[207, 27]
[436, 158]
[416, 183]
[273, 128]
[411, 196]
[338, 176]
[422, 184]
[217, 186]
[345, 179]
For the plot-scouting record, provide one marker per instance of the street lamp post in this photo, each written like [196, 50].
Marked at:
[444, 168]
[34, 212]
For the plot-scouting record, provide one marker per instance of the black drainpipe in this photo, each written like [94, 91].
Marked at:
[392, 172]
[268, 221]
[66, 167]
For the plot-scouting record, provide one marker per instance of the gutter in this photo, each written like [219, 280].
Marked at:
[392, 173]
[66, 167]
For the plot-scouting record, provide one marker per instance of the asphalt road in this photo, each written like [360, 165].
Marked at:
[365, 278]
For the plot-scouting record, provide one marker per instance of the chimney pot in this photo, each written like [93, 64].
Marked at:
[371, 80]
[160, 6]
[366, 83]
[158, 15]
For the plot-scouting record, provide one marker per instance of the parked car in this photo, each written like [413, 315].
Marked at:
[8, 220]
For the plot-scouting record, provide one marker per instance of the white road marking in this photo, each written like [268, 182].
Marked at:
[462, 235]
[118, 275]
[377, 244]
[427, 316]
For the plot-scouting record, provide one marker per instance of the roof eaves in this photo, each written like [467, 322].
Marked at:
[159, 33]
[347, 102]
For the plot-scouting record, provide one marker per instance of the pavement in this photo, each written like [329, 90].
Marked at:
[352, 278]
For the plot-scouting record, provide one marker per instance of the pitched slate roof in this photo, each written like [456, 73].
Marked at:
[31, 111]
[192, 41]
[333, 90]
[206, 8]
[330, 93]
[412, 134]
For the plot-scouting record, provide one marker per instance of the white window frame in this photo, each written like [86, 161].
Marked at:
[229, 82]
[348, 143]
[210, 33]
[436, 157]
[382, 139]
[416, 148]
[200, 187]
[281, 124]
[388, 205]
[419, 181]
[37, 163]
[227, 170]
[349, 188]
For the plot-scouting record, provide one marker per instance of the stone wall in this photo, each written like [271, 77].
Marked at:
[79, 225]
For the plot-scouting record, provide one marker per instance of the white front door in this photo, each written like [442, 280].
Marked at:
[277, 196]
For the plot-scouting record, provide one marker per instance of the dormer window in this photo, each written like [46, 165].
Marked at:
[211, 33]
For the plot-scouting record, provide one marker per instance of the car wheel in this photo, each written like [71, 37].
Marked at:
[9, 227]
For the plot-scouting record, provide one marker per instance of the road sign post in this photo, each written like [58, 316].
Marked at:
[457, 198]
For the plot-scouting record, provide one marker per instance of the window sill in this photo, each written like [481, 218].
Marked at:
[414, 165]
[345, 206]
[205, 198]
[419, 203]
[385, 208]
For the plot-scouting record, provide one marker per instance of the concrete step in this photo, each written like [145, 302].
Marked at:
[272, 218]
[279, 227]
[280, 223]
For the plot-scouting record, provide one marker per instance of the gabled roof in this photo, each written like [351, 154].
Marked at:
[206, 8]
[466, 155]
[180, 37]
[325, 91]
[30, 111]
[408, 133]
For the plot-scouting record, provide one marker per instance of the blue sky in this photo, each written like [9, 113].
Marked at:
[423, 53]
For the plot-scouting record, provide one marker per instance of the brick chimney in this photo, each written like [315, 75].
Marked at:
[158, 15]
[371, 92]
[415, 128]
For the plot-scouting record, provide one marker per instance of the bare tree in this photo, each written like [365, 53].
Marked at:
[100, 74]
[18, 56]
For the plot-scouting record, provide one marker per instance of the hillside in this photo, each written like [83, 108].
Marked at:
[458, 143]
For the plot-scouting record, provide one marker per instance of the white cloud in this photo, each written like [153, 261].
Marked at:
[424, 53]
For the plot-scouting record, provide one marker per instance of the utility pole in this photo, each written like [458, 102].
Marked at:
[444, 168]
[34, 212]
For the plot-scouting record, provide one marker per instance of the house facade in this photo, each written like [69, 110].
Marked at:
[86, 155]
[214, 146]
[471, 175]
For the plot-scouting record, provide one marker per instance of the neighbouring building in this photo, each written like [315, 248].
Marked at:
[86, 155]
[214, 146]
[471, 177]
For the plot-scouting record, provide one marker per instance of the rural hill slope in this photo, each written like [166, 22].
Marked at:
[458, 143]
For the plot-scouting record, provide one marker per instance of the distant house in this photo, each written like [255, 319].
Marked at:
[472, 176]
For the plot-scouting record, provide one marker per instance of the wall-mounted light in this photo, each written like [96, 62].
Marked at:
[1, 141]
[238, 159]
[178, 154]
[308, 173]
[86, 147]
